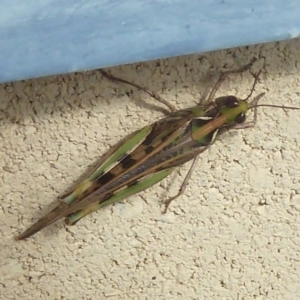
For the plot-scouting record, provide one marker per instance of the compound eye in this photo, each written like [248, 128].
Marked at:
[231, 102]
[241, 118]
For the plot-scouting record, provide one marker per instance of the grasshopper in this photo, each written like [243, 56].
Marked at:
[150, 154]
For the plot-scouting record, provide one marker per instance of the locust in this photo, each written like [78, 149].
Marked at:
[151, 153]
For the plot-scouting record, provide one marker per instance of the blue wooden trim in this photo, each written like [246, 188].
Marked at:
[46, 37]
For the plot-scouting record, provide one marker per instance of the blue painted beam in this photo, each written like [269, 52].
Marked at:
[46, 37]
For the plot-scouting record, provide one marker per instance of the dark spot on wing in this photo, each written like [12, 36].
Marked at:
[105, 178]
[128, 162]
[122, 157]
[164, 138]
[150, 137]
[155, 134]
[149, 149]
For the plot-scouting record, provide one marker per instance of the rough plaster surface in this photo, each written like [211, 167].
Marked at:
[233, 235]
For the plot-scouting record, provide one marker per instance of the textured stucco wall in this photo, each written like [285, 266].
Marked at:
[216, 241]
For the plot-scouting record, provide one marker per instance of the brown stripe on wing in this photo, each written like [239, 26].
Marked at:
[119, 176]
[163, 133]
[155, 164]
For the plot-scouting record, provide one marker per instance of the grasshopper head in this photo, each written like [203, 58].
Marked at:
[232, 108]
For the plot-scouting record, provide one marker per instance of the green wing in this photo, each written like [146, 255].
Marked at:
[121, 194]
